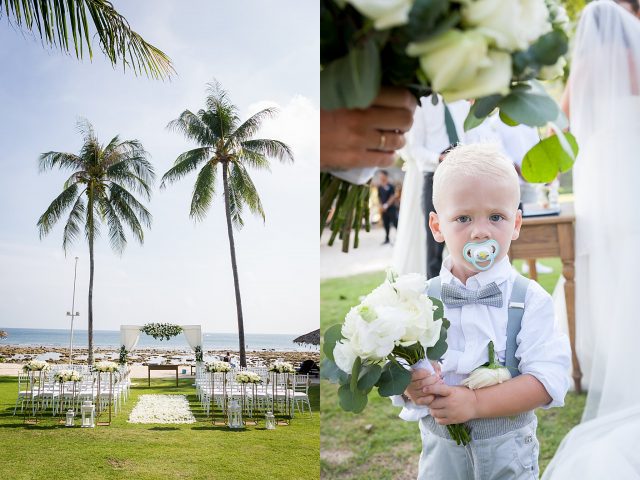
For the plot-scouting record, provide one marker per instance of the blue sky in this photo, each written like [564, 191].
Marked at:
[263, 53]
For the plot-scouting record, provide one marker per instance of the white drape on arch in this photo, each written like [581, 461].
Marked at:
[193, 334]
[129, 336]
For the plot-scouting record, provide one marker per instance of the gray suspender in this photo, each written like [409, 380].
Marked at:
[516, 310]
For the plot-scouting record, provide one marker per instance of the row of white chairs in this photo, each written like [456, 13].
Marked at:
[39, 392]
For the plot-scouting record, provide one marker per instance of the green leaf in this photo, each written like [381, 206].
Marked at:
[438, 350]
[331, 336]
[424, 16]
[355, 373]
[486, 105]
[549, 47]
[546, 159]
[534, 108]
[330, 371]
[352, 401]
[352, 81]
[507, 120]
[394, 379]
[438, 313]
[369, 375]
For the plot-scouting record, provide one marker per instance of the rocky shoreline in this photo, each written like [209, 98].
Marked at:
[143, 356]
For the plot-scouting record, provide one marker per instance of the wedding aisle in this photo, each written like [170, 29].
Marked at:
[162, 409]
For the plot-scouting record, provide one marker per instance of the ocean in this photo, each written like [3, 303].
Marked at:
[111, 339]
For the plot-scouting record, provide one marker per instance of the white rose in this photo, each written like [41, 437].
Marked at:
[461, 66]
[411, 284]
[511, 24]
[549, 72]
[384, 13]
[486, 377]
[344, 356]
[384, 294]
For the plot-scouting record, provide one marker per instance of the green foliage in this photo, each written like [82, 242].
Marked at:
[550, 157]
[69, 24]
[161, 331]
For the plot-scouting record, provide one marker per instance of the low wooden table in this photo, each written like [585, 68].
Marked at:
[553, 236]
[161, 367]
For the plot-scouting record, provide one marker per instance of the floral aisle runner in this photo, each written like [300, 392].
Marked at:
[162, 409]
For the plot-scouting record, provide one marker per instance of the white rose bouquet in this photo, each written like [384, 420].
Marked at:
[490, 51]
[281, 367]
[106, 367]
[394, 327]
[491, 373]
[248, 377]
[35, 366]
[67, 376]
[218, 367]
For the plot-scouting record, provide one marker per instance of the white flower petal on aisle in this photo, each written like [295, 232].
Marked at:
[162, 409]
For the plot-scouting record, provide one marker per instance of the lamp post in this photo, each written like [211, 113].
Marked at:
[73, 313]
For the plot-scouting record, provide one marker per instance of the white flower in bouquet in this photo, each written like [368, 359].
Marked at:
[36, 366]
[218, 367]
[281, 367]
[248, 377]
[461, 65]
[486, 376]
[106, 367]
[384, 13]
[510, 24]
[67, 376]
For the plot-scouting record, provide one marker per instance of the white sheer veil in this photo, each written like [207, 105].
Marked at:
[605, 118]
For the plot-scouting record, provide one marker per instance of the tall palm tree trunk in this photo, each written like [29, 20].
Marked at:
[234, 266]
[90, 308]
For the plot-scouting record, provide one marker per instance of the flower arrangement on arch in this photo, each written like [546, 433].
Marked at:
[218, 367]
[281, 367]
[36, 366]
[248, 377]
[199, 353]
[106, 367]
[124, 355]
[162, 331]
[67, 376]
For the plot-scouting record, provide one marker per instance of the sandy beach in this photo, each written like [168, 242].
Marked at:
[14, 356]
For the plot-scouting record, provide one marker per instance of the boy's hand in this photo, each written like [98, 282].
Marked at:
[451, 404]
[421, 379]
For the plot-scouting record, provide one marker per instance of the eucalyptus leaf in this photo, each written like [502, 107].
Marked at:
[352, 401]
[548, 158]
[549, 47]
[438, 350]
[332, 335]
[508, 120]
[355, 373]
[369, 375]
[352, 81]
[532, 108]
[486, 105]
[330, 371]
[394, 380]
[438, 313]
[472, 121]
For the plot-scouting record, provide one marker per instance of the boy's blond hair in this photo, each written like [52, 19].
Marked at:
[476, 160]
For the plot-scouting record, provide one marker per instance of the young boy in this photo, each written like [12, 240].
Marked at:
[476, 194]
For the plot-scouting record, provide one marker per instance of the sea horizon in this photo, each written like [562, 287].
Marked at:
[54, 337]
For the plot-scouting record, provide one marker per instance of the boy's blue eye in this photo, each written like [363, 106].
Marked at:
[463, 219]
[495, 218]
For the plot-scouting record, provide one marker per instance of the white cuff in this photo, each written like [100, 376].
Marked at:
[410, 411]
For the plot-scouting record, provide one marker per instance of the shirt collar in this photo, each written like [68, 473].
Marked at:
[498, 273]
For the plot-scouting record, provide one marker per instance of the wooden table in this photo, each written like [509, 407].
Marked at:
[161, 367]
[553, 236]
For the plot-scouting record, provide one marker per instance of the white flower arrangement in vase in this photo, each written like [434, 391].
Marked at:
[281, 367]
[106, 367]
[218, 367]
[36, 366]
[248, 377]
[67, 376]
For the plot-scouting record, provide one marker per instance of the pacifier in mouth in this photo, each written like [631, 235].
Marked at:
[483, 252]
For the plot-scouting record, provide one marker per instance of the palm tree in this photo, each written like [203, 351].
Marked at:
[58, 20]
[226, 142]
[101, 175]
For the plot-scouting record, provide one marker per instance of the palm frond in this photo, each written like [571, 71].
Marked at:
[185, 164]
[203, 191]
[254, 160]
[72, 227]
[58, 20]
[235, 205]
[221, 114]
[61, 160]
[246, 190]
[193, 127]
[252, 125]
[55, 210]
[129, 207]
[117, 238]
[270, 148]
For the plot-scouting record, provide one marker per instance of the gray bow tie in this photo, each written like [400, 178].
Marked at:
[454, 296]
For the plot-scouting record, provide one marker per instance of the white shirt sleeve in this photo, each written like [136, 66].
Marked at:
[419, 146]
[543, 351]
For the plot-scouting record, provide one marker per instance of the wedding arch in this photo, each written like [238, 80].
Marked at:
[130, 334]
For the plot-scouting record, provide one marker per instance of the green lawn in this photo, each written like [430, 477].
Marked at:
[376, 444]
[188, 451]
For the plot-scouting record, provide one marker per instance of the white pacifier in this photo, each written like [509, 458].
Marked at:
[483, 252]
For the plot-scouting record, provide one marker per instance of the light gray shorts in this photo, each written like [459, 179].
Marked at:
[504, 448]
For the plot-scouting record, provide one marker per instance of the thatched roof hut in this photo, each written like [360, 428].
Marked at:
[312, 338]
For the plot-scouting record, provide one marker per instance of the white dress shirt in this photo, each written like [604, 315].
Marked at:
[542, 350]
